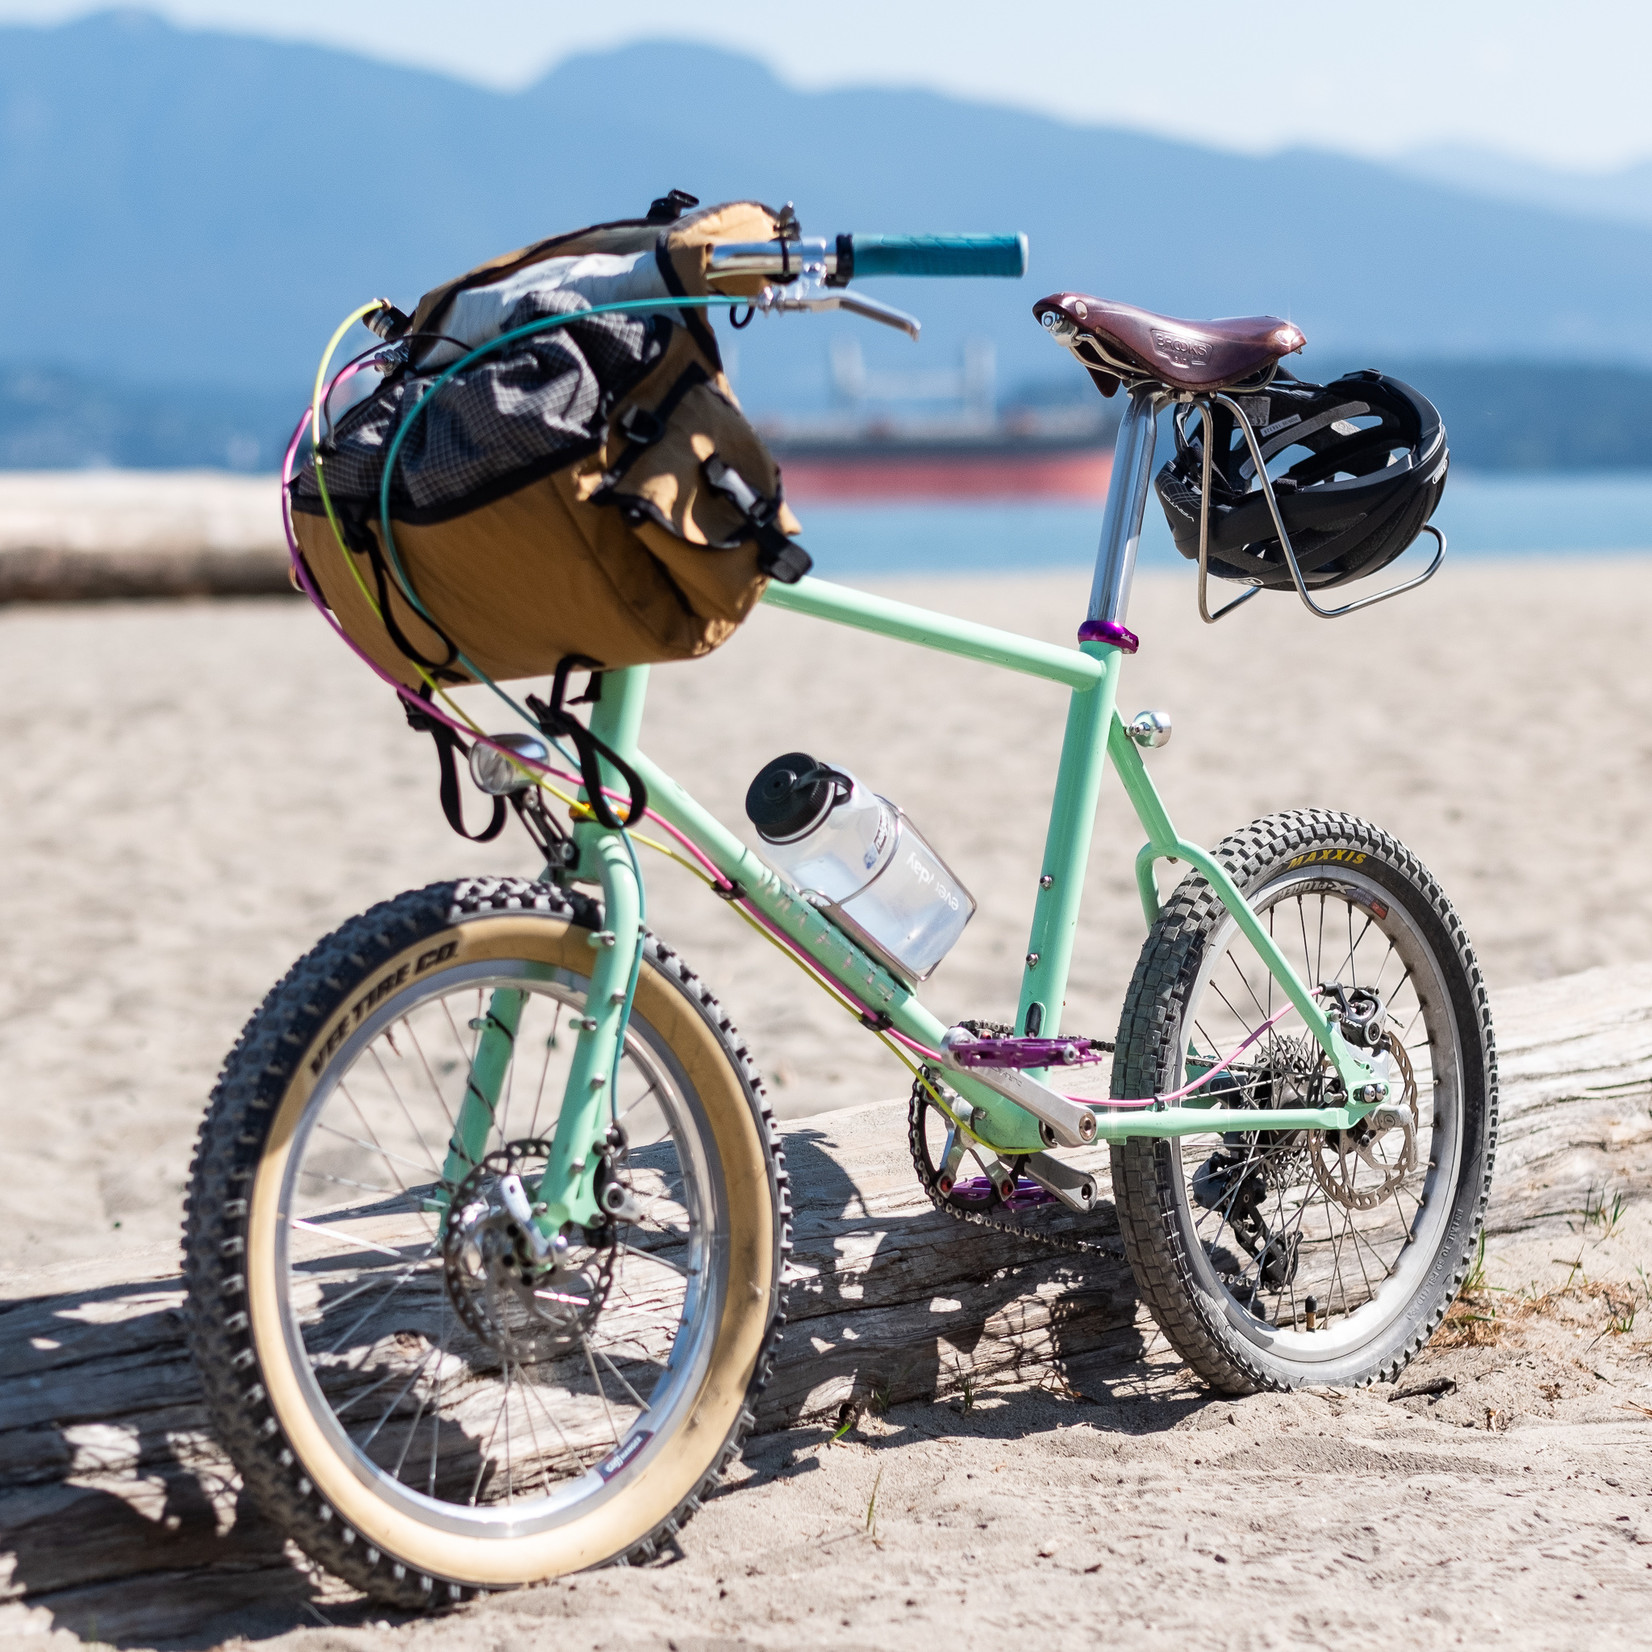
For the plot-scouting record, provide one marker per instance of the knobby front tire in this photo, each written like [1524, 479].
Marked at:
[420, 1412]
[1277, 1259]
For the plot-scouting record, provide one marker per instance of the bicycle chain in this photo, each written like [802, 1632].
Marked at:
[920, 1100]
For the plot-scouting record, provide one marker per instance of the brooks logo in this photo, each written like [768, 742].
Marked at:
[1185, 352]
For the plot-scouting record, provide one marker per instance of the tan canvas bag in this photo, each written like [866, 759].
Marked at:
[652, 542]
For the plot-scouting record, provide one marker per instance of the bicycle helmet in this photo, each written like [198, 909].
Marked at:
[1371, 469]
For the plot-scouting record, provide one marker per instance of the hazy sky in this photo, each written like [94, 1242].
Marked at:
[1564, 83]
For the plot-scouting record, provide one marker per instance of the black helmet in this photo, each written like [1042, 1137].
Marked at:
[1372, 469]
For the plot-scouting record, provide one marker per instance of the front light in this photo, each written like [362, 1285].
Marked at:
[495, 773]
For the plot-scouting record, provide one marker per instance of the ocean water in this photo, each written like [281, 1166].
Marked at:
[1481, 515]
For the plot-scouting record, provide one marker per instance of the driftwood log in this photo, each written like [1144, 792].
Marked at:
[55, 573]
[78, 536]
[119, 1516]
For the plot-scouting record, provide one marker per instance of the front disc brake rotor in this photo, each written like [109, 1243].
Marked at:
[520, 1296]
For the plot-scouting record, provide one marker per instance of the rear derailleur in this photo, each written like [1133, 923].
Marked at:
[1236, 1180]
[1234, 1183]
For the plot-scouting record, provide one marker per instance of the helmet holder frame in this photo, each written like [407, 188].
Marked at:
[1203, 403]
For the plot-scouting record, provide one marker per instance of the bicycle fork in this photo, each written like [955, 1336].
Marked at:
[567, 1191]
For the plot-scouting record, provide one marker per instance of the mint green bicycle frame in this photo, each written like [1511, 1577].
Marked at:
[1094, 732]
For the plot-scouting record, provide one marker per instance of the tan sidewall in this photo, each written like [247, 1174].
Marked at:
[680, 1463]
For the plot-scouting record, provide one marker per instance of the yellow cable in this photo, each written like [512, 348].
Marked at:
[575, 808]
[888, 1043]
[326, 361]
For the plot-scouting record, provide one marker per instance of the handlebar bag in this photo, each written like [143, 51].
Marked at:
[592, 491]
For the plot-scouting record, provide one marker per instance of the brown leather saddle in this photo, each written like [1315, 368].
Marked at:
[1119, 342]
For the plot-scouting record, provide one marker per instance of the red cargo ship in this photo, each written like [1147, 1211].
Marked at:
[899, 465]
[1062, 451]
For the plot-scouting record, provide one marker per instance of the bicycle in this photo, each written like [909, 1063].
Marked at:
[489, 1218]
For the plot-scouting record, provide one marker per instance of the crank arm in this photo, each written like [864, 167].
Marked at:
[1070, 1123]
[1074, 1188]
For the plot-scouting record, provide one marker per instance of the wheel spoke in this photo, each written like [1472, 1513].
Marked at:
[395, 1090]
[544, 1073]
[391, 1159]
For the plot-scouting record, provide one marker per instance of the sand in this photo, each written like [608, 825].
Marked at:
[196, 792]
[1496, 1496]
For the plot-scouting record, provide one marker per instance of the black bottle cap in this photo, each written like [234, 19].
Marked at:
[791, 795]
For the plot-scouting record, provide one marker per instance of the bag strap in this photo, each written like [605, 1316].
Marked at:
[695, 320]
[360, 538]
[437, 668]
[556, 721]
[644, 426]
[447, 743]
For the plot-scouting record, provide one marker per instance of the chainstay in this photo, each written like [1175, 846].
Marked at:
[919, 1101]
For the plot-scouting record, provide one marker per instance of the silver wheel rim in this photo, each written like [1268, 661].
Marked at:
[1367, 1272]
[407, 1425]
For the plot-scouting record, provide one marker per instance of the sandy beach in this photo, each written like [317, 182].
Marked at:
[196, 792]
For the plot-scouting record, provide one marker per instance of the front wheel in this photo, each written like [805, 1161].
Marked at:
[420, 1399]
[1275, 1259]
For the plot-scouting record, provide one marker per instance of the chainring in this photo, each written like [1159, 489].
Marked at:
[523, 1306]
[976, 1199]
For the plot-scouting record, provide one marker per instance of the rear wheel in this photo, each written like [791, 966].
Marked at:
[419, 1399]
[1274, 1259]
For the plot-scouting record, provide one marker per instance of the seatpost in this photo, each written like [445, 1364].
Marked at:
[1126, 503]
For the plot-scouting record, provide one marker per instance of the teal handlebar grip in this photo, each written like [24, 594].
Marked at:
[938, 254]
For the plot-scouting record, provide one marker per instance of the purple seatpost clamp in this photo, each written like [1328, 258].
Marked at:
[1120, 636]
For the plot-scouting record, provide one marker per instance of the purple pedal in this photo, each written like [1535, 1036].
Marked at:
[1025, 1052]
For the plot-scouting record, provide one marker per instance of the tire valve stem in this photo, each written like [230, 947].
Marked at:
[1310, 1312]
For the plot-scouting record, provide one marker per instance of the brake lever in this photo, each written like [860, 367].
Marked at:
[809, 291]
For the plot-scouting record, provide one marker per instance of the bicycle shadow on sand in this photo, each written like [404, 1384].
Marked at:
[121, 1521]
[894, 1303]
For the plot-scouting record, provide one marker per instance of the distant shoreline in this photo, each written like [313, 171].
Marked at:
[106, 534]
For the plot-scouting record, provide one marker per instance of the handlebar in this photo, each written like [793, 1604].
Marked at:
[1004, 255]
[812, 275]
[860, 255]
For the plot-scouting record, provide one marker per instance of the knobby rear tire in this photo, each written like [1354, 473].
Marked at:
[314, 1492]
[1190, 1272]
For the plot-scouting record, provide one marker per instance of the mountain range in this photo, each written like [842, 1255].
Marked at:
[188, 210]
[1622, 193]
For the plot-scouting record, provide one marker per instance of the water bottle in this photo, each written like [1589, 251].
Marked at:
[861, 860]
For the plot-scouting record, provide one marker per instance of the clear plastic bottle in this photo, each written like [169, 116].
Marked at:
[866, 864]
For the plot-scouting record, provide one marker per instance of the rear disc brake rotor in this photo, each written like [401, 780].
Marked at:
[1361, 1167]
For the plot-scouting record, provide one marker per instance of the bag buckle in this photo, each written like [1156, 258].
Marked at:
[778, 555]
[641, 426]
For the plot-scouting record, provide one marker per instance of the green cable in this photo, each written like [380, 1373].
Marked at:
[544, 325]
[531, 329]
